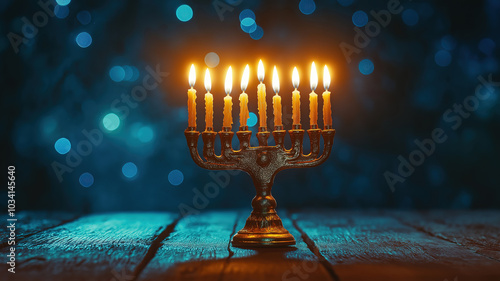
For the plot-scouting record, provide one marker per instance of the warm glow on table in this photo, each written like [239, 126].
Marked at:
[295, 97]
[228, 100]
[276, 99]
[192, 98]
[244, 114]
[261, 96]
[209, 103]
[313, 97]
[327, 106]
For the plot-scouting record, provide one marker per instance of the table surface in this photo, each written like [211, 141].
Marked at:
[331, 245]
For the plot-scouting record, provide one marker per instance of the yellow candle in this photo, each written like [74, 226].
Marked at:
[261, 96]
[327, 106]
[276, 99]
[209, 103]
[228, 100]
[313, 98]
[295, 98]
[192, 99]
[244, 98]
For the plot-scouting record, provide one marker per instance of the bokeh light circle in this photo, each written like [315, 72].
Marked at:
[61, 12]
[184, 13]
[86, 179]
[442, 58]
[212, 59]
[248, 25]
[410, 17]
[129, 73]
[175, 177]
[117, 73]
[359, 18]
[366, 67]
[257, 34]
[83, 39]
[129, 170]
[62, 146]
[63, 2]
[448, 42]
[486, 45]
[145, 134]
[345, 3]
[307, 7]
[247, 13]
[252, 119]
[111, 122]
[84, 17]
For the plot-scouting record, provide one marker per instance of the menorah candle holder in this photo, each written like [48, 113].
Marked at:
[263, 227]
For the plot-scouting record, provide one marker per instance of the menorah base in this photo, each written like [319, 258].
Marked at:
[263, 230]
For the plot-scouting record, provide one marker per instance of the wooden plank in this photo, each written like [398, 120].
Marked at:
[30, 222]
[289, 263]
[96, 247]
[478, 230]
[196, 250]
[364, 245]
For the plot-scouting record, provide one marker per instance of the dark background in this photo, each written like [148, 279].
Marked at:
[427, 59]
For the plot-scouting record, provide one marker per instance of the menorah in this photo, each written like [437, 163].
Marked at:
[263, 227]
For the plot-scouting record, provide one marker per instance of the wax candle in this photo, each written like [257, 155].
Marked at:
[244, 98]
[261, 96]
[192, 98]
[295, 98]
[276, 99]
[327, 106]
[228, 100]
[313, 98]
[209, 103]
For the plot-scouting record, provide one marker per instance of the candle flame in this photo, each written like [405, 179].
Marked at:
[192, 76]
[228, 86]
[295, 78]
[326, 78]
[208, 81]
[244, 79]
[314, 77]
[276, 81]
[260, 71]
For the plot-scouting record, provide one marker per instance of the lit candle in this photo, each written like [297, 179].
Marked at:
[327, 106]
[228, 100]
[276, 99]
[192, 99]
[244, 98]
[261, 96]
[209, 103]
[313, 98]
[295, 97]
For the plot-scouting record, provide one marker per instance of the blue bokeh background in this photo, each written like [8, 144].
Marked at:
[68, 69]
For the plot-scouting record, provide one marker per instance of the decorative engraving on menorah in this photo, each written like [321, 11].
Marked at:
[263, 227]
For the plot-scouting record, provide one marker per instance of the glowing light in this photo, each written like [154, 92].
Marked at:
[84, 17]
[192, 76]
[228, 85]
[111, 122]
[61, 12]
[410, 17]
[276, 81]
[366, 67]
[62, 146]
[257, 34]
[359, 18]
[117, 73]
[307, 7]
[63, 2]
[145, 134]
[129, 170]
[86, 179]
[245, 78]
[175, 177]
[295, 78]
[247, 13]
[212, 59]
[128, 73]
[326, 78]
[184, 13]
[260, 71]
[252, 119]
[442, 58]
[248, 25]
[208, 81]
[83, 39]
[314, 77]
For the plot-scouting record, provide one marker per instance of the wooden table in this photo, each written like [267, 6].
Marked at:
[331, 245]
